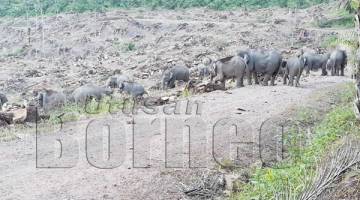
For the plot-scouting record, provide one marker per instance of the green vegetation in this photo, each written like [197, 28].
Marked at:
[340, 22]
[72, 112]
[129, 47]
[289, 178]
[38, 7]
[340, 18]
[13, 53]
[330, 41]
[124, 47]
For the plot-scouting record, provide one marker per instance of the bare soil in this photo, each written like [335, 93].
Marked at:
[68, 50]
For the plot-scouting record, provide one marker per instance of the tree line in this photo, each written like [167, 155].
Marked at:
[37, 7]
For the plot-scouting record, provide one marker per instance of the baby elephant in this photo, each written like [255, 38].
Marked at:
[50, 100]
[229, 68]
[3, 100]
[337, 62]
[87, 92]
[133, 89]
[178, 73]
[292, 68]
[116, 80]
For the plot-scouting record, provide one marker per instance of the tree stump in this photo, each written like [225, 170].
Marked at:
[32, 114]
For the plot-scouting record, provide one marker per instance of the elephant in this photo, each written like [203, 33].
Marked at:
[337, 62]
[204, 71]
[264, 62]
[229, 68]
[134, 89]
[292, 68]
[83, 93]
[116, 80]
[177, 73]
[316, 62]
[51, 99]
[3, 100]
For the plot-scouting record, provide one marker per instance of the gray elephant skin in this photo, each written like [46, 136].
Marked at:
[337, 62]
[316, 62]
[204, 71]
[233, 67]
[86, 92]
[3, 99]
[133, 89]
[293, 68]
[177, 73]
[264, 62]
[50, 100]
[116, 80]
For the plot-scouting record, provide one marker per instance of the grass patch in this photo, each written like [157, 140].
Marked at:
[340, 22]
[289, 178]
[124, 47]
[14, 52]
[186, 92]
[330, 41]
[129, 47]
[73, 112]
[341, 18]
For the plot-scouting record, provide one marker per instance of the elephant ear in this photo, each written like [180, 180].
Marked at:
[247, 59]
[305, 61]
[214, 67]
[329, 65]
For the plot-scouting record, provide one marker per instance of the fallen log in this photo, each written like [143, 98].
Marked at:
[6, 117]
[204, 87]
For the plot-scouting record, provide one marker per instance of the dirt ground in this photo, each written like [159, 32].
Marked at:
[66, 51]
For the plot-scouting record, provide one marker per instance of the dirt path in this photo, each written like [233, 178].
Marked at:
[20, 179]
[68, 50]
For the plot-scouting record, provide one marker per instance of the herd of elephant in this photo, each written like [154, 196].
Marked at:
[258, 64]
[266, 64]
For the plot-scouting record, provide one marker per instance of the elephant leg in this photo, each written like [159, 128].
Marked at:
[256, 78]
[240, 82]
[324, 71]
[248, 75]
[297, 84]
[266, 79]
[308, 70]
[291, 80]
[285, 77]
[342, 72]
[333, 71]
[273, 78]
[337, 71]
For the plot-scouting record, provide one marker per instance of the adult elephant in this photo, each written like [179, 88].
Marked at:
[337, 62]
[264, 62]
[316, 62]
[232, 67]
